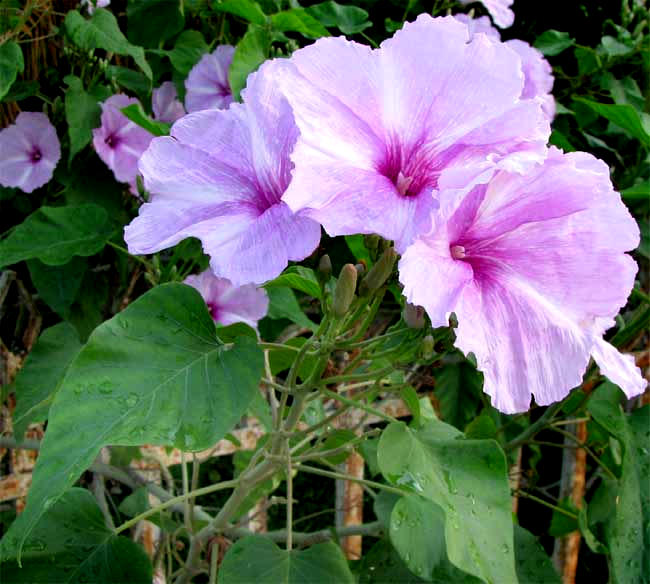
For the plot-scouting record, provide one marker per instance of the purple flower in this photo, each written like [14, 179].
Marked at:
[480, 24]
[220, 177]
[207, 83]
[92, 4]
[165, 104]
[383, 131]
[499, 10]
[119, 142]
[29, 152]
[229, 304]
[535, 269]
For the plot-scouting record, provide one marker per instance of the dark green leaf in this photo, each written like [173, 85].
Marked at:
[298, 278]
[614, 48]
[410, 398]
[132, 80]
[533, 564]
[299, 20]
[337, 439]
[151, 22]
[348, 19]
[11, 63]
[246, 9]
[457, 388]
[562, 524]
[433, 463]
[82, 113]
[38, 380]
[55, 234]
[624, 116]
[358, 248]
[188, 50]
[137, 502]
[154, 373]
[553, 42]
[136, 114]
[71, 543]
[103, 32]
[252, 50]
[258, 559]
[283, 304]
[382, 565]
[21, 90]
[58, 286]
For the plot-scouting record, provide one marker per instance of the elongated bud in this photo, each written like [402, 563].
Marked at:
[413, 316]
[379, 273]
[426, 349]
[344, 291]
[324, 269]
[371, 242]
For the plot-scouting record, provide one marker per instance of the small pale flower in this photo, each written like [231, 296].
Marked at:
[93, 4]
[383, 132]
[220, 177]
[165, 104]
[535, 269]
[229, 304]
[119, 142]
[29, 152]
[207, 84]
[499, 10]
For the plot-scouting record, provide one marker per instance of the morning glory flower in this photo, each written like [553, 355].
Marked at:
[480, 24]
[535, 269]
[380, 137]
[207, 84]
[92, 4]
[220, 177]
[165, 104]
[119, 142]
[499, 10]
[229, 304]
[29, 152]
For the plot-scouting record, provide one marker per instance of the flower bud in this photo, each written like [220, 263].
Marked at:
[413, 316]
[360, 268]
[379, 273]
[426, 349]
[324, 269]
[371, 242]
[344, 291]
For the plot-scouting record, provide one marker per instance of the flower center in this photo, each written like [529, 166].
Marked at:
[36, 154]
[213, 309]
[403, 183]
[457, 252]
[111, 140]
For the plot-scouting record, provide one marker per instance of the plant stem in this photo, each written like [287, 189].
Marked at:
[345, 477]
[547, 504]
[289, 501]
[535, 427]
[126, 251]
[357, 404]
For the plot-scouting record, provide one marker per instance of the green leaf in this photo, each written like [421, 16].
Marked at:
[624, 116]
[258, 559]
[533, 565]
[155, 373]
[382, 565]
[246, 9]
[38, 380]
[283, 304]
[458, 389]
[358, 248]
[553, 42]
[136, 114]
[151, 22]
[251, 51]
[614, 48]
[298, 278]
[137, 502]
[562, 524]
[188, 49]
[410, 398]
[433, 463]
[103, 32]
[55, 234]
[299, 20]
[58, 286]
[71, 543]
[348, 19]
[132, 80]
[337, 439]
[82, 112]
[639, 424]
[21, 90]
[11, 63]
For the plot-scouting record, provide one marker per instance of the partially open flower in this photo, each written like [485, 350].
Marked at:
[229, 304]
[517, 261]
[29, 152]
[499, 10]
[165, 104]
[207, 83]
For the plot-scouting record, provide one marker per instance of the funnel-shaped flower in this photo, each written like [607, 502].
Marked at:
[229, 304]
[220, 177]
[119, 142]
[165, 104]
[535, 269]
[207, 83]
[383, 131]
[499, 10]
[29, 152]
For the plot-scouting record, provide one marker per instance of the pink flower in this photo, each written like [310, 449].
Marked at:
[383, 131]
[207, 83]
[165, 104]
[119, 142]
[499, 10]
[220, 177]
[29, 152]
[535, 269]
[229, 304]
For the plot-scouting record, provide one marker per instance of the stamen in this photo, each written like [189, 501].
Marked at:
[36, 155]
[457, 252]
[403, 183]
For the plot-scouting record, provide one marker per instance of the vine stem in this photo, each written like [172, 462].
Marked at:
[346, 477]
[526, 495]
[289, 499]
[357, 404]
